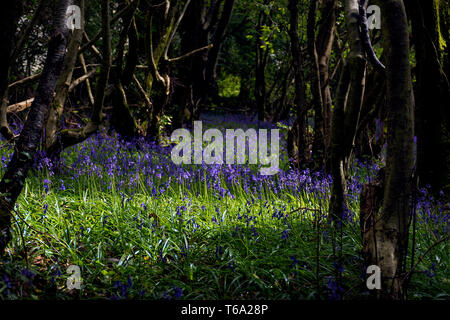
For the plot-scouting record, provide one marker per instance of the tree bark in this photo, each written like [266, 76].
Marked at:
[13, 180]
[391, 229]
[63, 85]
[320, 51]
[337, 203]
[10, 12]
[432, 95]
[71, 137]
[122, 119]
[346, 111]
[213, 54]
[298, 129]
[262, 56]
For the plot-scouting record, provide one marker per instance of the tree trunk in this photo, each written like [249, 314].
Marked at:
[158, 78]
[320, 52]
[325, 42]
[337, 203]
[432, 95]
[300, 99]
[206, 22]
[346, 112]
[10, 12]
[13, 180]
[357, 65]
[370, 205]
[63, 85]
[391, 229]
[260, 72]
[318, 147]
[196, 32]
[71, 137]
[122, 119]
[213, 54]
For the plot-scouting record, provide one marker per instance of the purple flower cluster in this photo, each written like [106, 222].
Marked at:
[123, 288]
[177, 293]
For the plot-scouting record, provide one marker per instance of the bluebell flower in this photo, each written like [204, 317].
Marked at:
[232, 266]
[178, 292]
[29, 275]
[47, 185]
[335, 289]
[285, 235]
[167, 296]
[219, 251]
[7, 283]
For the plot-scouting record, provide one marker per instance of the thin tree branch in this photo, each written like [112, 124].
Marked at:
[114, 19]
[408, 275]
[88, 83]
[24, 80]
[174, 30]
[190, 53]
[29, 28]
[143, 93]
[81, 79]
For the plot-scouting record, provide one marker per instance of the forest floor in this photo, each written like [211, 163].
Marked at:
[140, 227]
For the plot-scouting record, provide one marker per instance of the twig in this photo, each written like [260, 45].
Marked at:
[143, 93]
[191, 53]
[299, 209]
[114, 19]
[81, 79]
[88, 83]
[12, 140]
[423, 256]
[24, 80]
[93, 47]
[175, 28]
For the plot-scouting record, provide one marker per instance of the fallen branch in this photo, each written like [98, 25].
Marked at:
[81, 79]
[20, 106]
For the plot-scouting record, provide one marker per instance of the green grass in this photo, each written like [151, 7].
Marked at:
[112, 238]
[131, 244]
